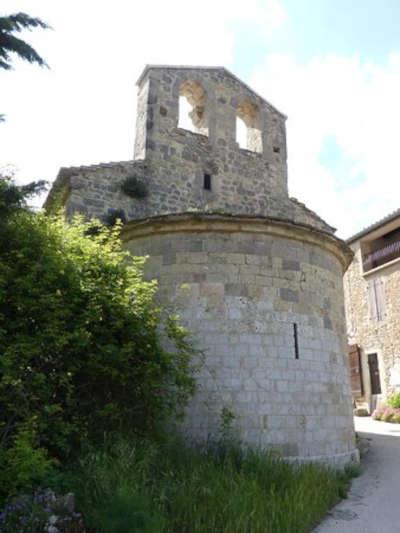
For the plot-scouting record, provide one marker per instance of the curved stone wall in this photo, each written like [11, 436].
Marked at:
[241, 285]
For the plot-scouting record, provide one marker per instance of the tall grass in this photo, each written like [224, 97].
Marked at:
[135, 486]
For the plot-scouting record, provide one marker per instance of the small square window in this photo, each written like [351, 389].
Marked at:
[207, 182]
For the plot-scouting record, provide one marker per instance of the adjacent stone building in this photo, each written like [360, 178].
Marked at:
[372, 296]
[255, 274]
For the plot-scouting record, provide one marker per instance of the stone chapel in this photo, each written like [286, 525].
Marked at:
[253, 273]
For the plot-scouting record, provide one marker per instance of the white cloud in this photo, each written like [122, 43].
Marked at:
[354, 102]
[82, 111]
[266, 15]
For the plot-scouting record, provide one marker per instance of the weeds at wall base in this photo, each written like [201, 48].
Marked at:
[132, 485]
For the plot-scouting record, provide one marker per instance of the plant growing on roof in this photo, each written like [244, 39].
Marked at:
[134, 187]
[112, 217]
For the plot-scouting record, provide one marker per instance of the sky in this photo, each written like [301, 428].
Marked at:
[332, 66]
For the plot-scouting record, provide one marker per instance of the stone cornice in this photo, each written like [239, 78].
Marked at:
[220, 223]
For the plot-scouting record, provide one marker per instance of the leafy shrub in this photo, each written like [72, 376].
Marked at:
[14, 198]
[377, 414]
[387, 414]
[394, 401]
[81, 339]
[134, 187]
[113, 216]
[23, 514]
[24, 464]
[37, 512]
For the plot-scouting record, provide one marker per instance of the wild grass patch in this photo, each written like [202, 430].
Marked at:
[128, 485]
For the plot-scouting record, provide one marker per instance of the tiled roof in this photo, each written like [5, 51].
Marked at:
[376, 225]
[70, 171]
[65, 173]
[313, 215]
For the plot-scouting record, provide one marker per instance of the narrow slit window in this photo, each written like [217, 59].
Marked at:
[296, 341]
[207, 182]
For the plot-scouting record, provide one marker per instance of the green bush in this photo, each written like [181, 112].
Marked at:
[377, 414]
[164, 486]
[23, 464]
[387, 415]
[394, 401]
[38, 511]
[24, 515]
[110, 219]
[81, 339]
[134, 187]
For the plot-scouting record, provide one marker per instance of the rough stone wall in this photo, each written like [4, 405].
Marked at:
[381, 337]
[234, 169]
[241, 293]
[95, 190]
[172, 161]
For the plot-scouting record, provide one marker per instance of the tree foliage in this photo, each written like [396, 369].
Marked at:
[82, 342]
[13, 198]
[10, 44]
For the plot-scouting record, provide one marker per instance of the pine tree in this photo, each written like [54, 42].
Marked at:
[9, 44]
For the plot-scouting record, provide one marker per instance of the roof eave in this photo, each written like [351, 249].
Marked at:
[379, 224]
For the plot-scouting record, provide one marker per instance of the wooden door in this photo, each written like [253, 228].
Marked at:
[355, 371]
[374, 373]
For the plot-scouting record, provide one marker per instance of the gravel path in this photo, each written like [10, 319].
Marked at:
[373, 504]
